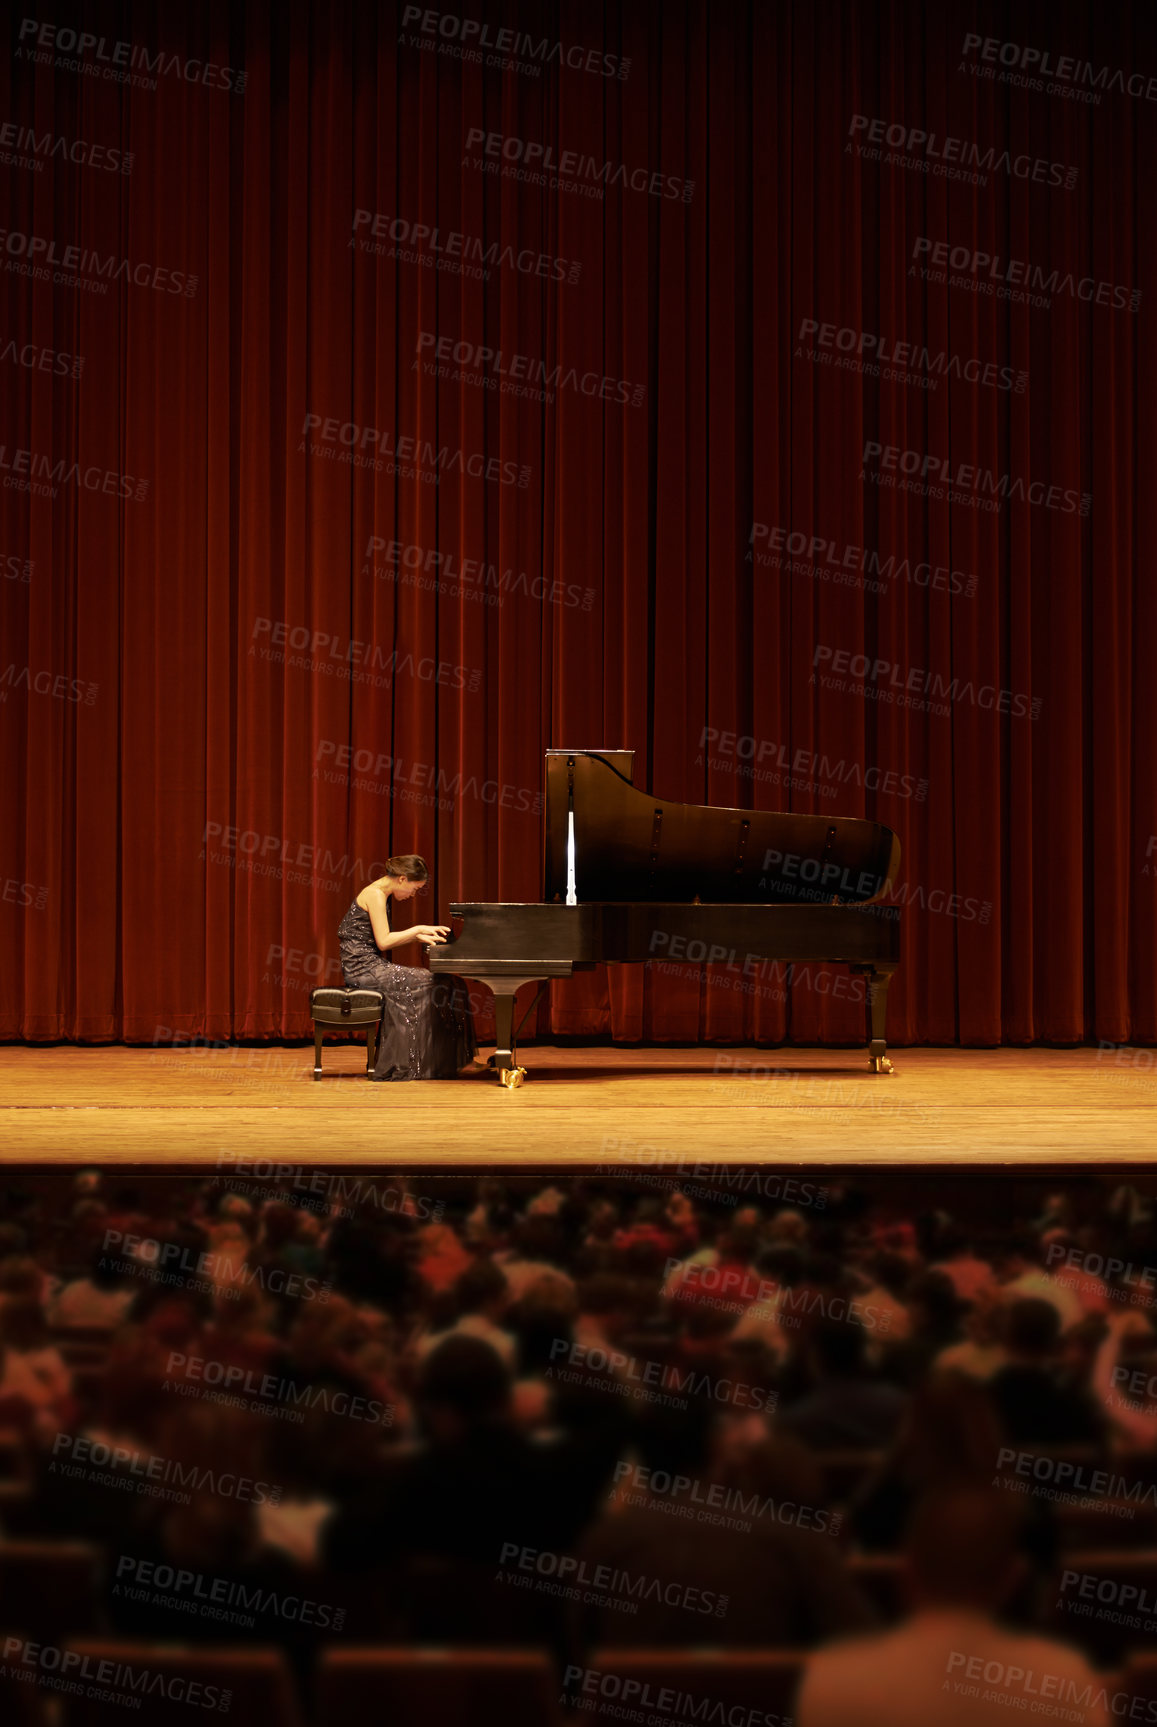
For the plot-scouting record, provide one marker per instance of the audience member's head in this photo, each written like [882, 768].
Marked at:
[104, 1269]
[837, 1348]
[1018, 1254]
[19, 1278]
[541, 1317]
[22, 1324]
[464, 1386]
[949, 1435]
[934, 1304]
[962, 1550]
[1032, 1331]
[483, 1289]
[891, 1272]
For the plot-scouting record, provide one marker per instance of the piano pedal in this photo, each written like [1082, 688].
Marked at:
[512, 1077]
[880, 1064]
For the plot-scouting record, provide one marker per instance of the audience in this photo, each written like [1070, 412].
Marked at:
[102, 1298]
[482, 1294]
[1034, 1394]
[849, 1407]
[758, 1571]
[951, 1662]
[445, 1388]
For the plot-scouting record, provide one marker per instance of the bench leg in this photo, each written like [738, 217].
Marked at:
[371, 1049]
[316, 1051]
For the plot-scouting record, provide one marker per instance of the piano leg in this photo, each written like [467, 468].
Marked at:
[505, 1066]
[879, 977]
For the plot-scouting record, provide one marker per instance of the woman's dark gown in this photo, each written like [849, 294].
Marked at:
[427, 1031]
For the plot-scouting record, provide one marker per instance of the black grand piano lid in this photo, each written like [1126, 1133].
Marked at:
[631, 846]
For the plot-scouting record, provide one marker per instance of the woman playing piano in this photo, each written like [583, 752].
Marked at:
[427, 1031]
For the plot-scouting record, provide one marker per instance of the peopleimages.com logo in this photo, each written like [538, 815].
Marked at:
[630, 1376]
[218, 1269]
[712, 1502]
[889, 675]
[579, 1579]
[568, 170]
[1121, 1275]
[904, 362]
[438, 248]
[522, 374]
[392, 775]
[962, 482]
[641, 1700]
[1070, 76]
[404, 454]
[36, 359]
[219, 1598]
[37, 473]
[1018, 279]
[1109, 1598]
[88, 271]
[47, 683]
[149, 1473]
[341, 1195]
[425, 567]
[104, 1679]
[930, 151]
[745, 748]
[727, 1180]
[44, 147]
[246, 1388]
[81, 51]
[503, 46]
[1070, 1482]
[1010, 1685]
[849, 565]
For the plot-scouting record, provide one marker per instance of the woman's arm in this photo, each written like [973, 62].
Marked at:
[387, 938]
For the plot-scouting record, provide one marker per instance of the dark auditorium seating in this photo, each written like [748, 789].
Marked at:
[881, 1578]
[1137, 1466]
[1098, 1523]
[1086, 1458]
[261, 1687]
[1102, 1636]
[461, 1602]
[15, 1455]
[765, 1681]
[1139, 1680]
[82, 1345]
[16, 1416]
[844, 1471]
[437, 1688]
[17, 1507]
[49, 1588]
[21, 1704]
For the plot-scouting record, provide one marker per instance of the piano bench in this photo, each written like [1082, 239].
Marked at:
[343, 1009]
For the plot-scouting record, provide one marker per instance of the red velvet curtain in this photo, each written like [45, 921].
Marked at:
[241, 668]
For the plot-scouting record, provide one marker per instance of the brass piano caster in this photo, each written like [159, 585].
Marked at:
[880, 1064]
[512, 1077]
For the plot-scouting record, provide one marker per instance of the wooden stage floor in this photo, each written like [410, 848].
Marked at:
[582, 1108]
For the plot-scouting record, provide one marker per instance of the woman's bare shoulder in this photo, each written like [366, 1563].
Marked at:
[372, 895]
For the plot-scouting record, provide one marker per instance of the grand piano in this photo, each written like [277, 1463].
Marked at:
[630, 877]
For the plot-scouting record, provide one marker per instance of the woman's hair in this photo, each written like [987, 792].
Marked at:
[414, 868]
